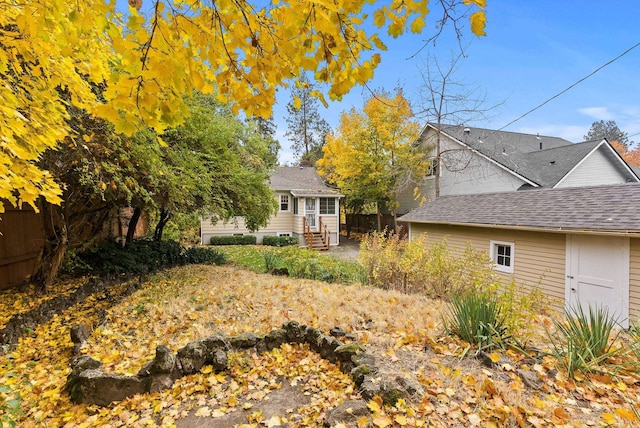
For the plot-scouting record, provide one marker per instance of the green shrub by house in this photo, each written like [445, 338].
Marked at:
[279, 241]
[233, 240]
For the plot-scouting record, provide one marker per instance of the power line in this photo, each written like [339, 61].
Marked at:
[571, 86]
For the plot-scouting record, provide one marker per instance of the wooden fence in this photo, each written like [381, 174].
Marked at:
[21, 240]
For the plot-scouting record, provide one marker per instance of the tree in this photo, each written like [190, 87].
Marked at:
[608, 130]
[371, 157]
[307, 129]
[443, 100]
[632, 157]
[215, 165]
[212, 165]
[240, 51]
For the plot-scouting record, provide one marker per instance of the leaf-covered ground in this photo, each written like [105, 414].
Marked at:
[184, 304]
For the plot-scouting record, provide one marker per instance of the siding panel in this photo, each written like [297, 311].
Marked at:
[596, 169]
[538, 257]
[634, 280]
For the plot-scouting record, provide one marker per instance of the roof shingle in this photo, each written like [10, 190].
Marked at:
[610, 209]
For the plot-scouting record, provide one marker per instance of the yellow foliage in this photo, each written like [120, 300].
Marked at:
[241, 51]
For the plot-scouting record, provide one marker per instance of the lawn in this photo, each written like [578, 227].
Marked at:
[404, 332]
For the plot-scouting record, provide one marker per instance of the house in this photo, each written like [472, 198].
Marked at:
[476, 160]
[307, 209]
[582, 244]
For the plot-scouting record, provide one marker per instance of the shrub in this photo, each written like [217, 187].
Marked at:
[201, 255]
[279, 241]
[582, 341]
[476, 318]
[519, 307]
[233, 240]
[139, 256]
[391, 262]
[309, 264]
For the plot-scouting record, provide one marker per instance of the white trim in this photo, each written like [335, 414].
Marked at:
[622, 161]
[493, 161]
[280, 196]
[493, 245]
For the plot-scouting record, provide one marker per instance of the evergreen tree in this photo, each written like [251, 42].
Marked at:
[307, 129]
[608, 130]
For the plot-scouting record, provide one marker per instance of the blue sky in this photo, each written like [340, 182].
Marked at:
[533, 50]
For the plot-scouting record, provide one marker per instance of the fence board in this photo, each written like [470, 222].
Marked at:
[21, 240]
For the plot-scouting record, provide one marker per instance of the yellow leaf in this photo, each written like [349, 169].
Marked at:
[401, 420]
[626, 414]
[203, 412]
[382, 421]
[495, 357]
[478, 22]
[297, 103]
[608, 418]
[206, 369]
[232, 401]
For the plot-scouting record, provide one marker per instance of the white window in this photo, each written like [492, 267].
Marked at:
[327, 206]
[295, 205]
[502, 254]
[432, 170]
[284, 233]
[284, 202]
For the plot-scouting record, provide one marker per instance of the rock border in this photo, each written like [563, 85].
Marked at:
[89, 384]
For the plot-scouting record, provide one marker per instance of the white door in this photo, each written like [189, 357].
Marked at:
[310, 212]
[598, 274]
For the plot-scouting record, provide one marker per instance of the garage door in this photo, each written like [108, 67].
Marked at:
[598, 274]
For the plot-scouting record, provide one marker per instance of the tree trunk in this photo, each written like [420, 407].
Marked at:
[379, 217]
[162, 222]
[133, 224]
[55, 246]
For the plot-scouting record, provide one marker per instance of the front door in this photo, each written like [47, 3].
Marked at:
[310, 212]
[598, 274]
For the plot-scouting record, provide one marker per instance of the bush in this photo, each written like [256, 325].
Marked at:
[139, 256]
[201, 255]
[583, 341]
[279, 241]
[476, 318]
[233, 240]
[391, 262]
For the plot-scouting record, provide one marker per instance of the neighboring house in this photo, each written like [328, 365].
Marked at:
[307, 209]
[581, 244]
[475, 160]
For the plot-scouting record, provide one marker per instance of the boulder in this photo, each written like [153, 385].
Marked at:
[93, 386]
[192, 357]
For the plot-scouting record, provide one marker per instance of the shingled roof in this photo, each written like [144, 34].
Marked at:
[599, 209]
[300, 181]
[542, 160]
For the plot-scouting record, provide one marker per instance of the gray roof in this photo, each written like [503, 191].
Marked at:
[599, 209]
[300, 181]
[540, 159]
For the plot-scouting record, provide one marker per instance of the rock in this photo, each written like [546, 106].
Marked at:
[337, 332]
[360, 372]
[192, 357]
[312, 336]
[219, 360]
[164, 362]
[84, 362]
[530, 378]
[215, 342]
[327, 346]
[412, 388]
[363, 359]
[348, 412]
[160, 382]
[244, 341]
[391, 390]
[295, 332]
[351, 336]
[80, 333]
[93, 386]
[344, 353]
[275, 338]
